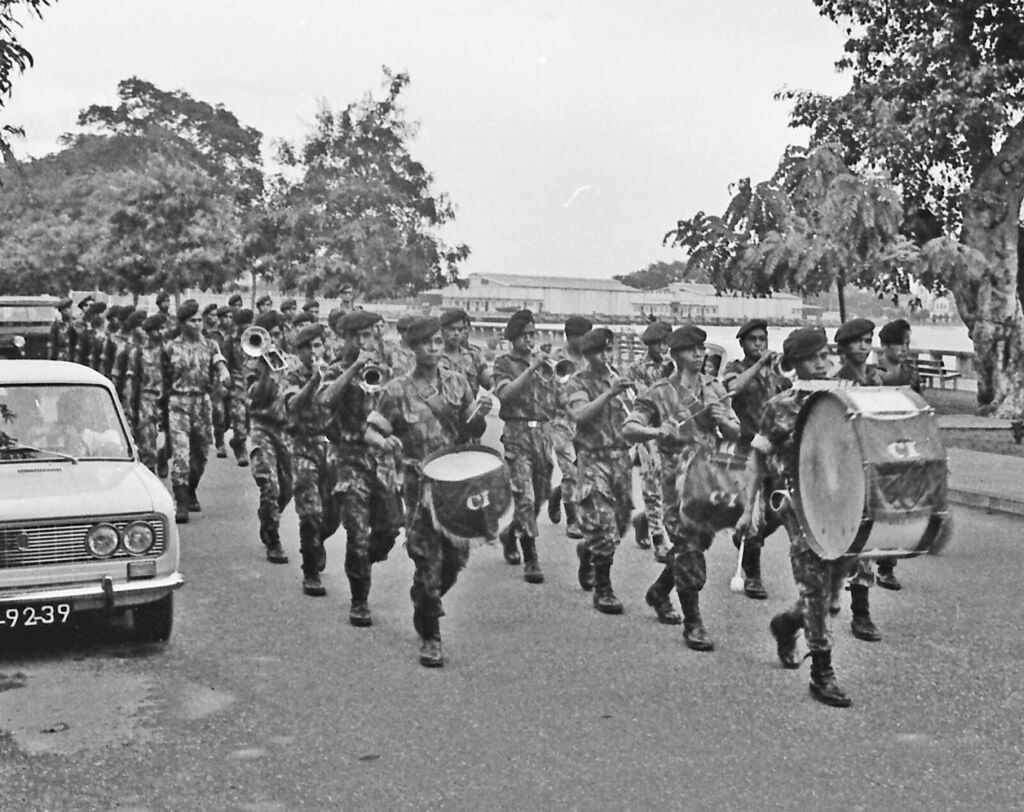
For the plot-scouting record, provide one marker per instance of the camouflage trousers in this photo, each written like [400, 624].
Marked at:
[147, 429]
[271, 461]
[437, 560]
[370, 511]
[565, 457]
[238, 414]
[220, 416]
[689, 538]
[189, 437]
[528, 453]
[316, 503]
[650, 484]
[605, 499]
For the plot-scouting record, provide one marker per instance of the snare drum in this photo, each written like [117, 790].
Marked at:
[468, 491]
[871, 474]
[712, 486]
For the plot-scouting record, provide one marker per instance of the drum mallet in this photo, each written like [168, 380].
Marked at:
[736, 584]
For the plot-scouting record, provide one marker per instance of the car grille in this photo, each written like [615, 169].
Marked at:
[63, 542]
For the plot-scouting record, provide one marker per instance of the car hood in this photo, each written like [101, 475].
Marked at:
[36, 490]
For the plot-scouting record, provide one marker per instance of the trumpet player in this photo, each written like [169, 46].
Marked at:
[271, 448]
[363, 460]
[595, 401]
[753, 379]
[524, 382]
[458, 355]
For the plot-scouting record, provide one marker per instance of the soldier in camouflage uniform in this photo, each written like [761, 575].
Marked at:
[646, 372]
[594, 398]
[458, 354]
[212, 332]
[771, 465]
[563, 429]
[98, 345]
[334, 342]
[397, 354]
[116, 339]
[364, 465]
[133, 339]
[91, 324]
[685, 413]
[754, 379]
[525, 384]
[429, 410]
[238, 399]
[270, 453]
[143, 385]
[58, 347]
[190, 368]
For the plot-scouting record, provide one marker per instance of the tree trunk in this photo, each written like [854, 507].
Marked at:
[841, 289]
[987, 297]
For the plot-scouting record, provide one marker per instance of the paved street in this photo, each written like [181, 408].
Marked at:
[268, 700]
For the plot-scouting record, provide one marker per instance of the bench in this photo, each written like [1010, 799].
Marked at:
[932, 371]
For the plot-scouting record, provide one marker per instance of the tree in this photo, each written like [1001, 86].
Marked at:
[661, 274]
[362, 209]
[812, 225]
[937, 101]
[14, 58]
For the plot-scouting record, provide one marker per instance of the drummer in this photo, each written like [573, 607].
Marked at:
[772, 463]
[685, 412]
[754, 379]
[427, 410]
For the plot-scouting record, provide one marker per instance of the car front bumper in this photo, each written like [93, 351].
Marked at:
[103, 594]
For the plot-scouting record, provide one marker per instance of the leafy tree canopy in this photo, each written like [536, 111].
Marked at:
[15, 58]
[661, 274]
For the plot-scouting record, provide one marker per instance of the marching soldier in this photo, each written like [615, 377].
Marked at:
[563, 429]
[143, 386]
[98, 339]
[428, 410]
[78, 329]
[235, 302]
[525, 384]
[646, 372]
[334, 342]
[313, 308]
[134, 338]
[753, 380]
[398, 356]
[604, 490]
[163, 307]
[362, 460]
[684, 413]
[58, 347]
[238, 401]
[772, 465]
[86, 337]
[212, 332]
[264, 304]
[458, 355]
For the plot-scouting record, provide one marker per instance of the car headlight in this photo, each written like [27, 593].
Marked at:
[102, 540]
[18, 341]
[138, 538]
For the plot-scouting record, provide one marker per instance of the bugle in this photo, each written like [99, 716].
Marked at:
[372, 378]
[257, 343]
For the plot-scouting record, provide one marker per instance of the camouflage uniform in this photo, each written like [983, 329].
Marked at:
[219, 397]
[270, 453]
[97, 349]
[399, 358]
[467, 360]
[58, 347]
[237, 396]
[143, 382]
[189, 372]
[563, 430]
[645, 373]
[904, 375]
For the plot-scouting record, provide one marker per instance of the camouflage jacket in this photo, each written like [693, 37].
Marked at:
[347, 423]
[605, 432]
[540, 398]
[469, 361]
[749, 402]
[775, 433]
[189, 367]
[871, 377]
[310, 421]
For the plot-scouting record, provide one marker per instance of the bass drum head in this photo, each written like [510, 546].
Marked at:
[830, 483]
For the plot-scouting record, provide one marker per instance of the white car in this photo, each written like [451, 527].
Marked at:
[83, 524]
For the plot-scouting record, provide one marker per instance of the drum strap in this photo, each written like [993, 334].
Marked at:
[432, 397]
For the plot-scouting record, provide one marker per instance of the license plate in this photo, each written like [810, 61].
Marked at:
[38, 614]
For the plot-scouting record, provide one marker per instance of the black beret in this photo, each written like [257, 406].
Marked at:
[356, 320]
[404, 321]
[223, 310]
[210, 308]
[421, 329]
[188, 309]
[895, 332]
[135, 319]
[268, 320]
[577, 326]
[686, 337]
[65, 302]
[154, 322]
[96, 308]
[517, 324]
[303, 317]
[854, 329]
[164, 296]
[345, 288]
[266, 298]
[84, 303]
[453, 315]
[312, 304]
[114, 312]
[288, 304]
[307, 334]
[802, 343]
[596, 340]
[656, 332]
[235, 300]
[752, 324]
[242, 316]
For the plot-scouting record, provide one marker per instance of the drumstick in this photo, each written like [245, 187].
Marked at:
[472, 414]
[736, 584]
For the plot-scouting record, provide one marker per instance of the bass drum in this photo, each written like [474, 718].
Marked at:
[871, 474]
[468, 491]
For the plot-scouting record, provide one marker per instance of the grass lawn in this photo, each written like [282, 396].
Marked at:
[994, 441]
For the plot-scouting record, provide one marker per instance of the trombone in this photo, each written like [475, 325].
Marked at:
[257, 343]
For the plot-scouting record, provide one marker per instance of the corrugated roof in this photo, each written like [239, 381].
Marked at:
[561, 282]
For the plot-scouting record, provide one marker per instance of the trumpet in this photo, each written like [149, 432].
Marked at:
[257, 343]
[564, 369]
[629, 396]
[372, 379]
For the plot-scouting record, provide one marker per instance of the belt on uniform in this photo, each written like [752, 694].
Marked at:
[192, 393]
[531, 424]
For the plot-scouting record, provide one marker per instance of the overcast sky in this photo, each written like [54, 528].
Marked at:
[570, 134]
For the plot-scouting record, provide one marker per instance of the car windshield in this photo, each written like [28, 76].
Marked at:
[59, 421]
[26, 314]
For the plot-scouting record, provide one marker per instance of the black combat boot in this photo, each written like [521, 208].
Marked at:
[193, 500]
[752, 586]
[823, 681]
[532, 573]
[641, 531]
[272, 541]
[163, 454]
[662, 549]
[784, 627]
[555, 505]
[604, 598]
[359, 612]
[694, 634]
[572, 521]
[312, 550]
[886, 578]
[658, 597]
[586, 569]
[862, 626]
[509, 545]
[429, 630]
[241, 458]
[180, 504]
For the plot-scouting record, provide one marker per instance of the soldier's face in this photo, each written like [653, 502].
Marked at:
[754, 344]
[313, 351]
[857, 350]
[263, 307]
[361, 340]
[210, 321]
[526, 341]
[428, 351]
[813, 368]
[453, 334]
[598, 361]
[289, 314]
[276, 335]
[689, 360]
[656, 351]
[225, 323]
[192, 326]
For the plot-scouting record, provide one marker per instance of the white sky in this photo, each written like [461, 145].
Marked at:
[570, 134]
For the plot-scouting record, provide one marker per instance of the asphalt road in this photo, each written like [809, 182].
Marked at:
[265, 699]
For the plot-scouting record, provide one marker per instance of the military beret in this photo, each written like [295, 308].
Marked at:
[303, 317]
[312, 304]
[307, 334]
[802, 343]
[242, 316]
[596, 340]
[163, 296]
[517, 324]
[750, 325]
[135, 319]
[84, 303]
[288, 304]
[421, 329]
[113, 312]
[235, 300]
[404, 321]
[345, 288]
[210, 308]
[154, 322]
[223, 310]
[656, 332]
[95, 308]
[268, 320]
[453, 315]
[685, 337]
[895, 332]
[266, 298]
[576, 326]
[65, 302]
[356, 320]
[854, 329]
[188, 309]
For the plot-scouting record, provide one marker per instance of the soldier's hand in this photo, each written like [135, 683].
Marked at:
[623, 385]
[721, 412]
[394, 445]
[484, 404]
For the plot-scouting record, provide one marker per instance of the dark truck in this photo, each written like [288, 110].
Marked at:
[25, 325]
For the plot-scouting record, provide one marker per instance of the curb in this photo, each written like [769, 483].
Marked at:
[986, 502]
